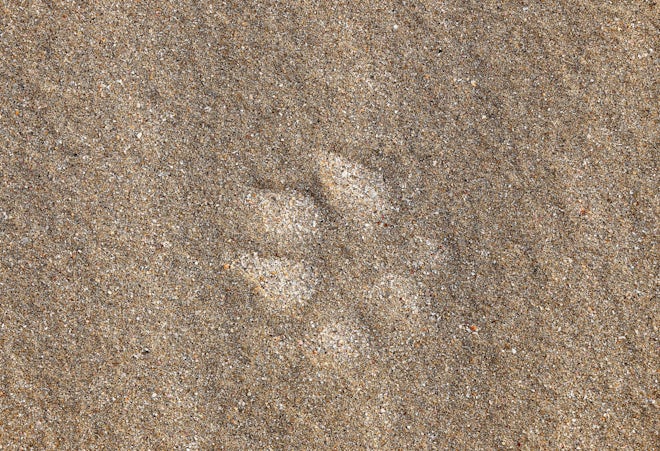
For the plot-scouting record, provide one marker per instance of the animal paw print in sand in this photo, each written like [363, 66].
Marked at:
[290, 222]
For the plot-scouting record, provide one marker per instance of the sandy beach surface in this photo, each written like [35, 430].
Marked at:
[316, 225]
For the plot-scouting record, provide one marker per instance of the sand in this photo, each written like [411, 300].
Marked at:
[329, 225]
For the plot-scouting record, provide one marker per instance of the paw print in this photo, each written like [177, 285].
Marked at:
[322, 296]
[285, 280]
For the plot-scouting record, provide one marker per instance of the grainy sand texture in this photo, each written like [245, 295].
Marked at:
[329, 225]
